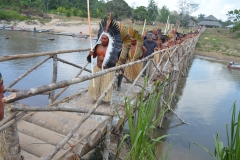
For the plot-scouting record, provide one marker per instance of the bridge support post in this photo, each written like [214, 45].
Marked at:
[54, 79]
[9, 142]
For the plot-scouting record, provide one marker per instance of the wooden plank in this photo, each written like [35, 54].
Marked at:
[34, 146]
[60, 124]
[28, 156]
[43, 134]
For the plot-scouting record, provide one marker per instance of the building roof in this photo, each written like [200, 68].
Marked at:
[192, 19]
[210, 18]
[210, 23]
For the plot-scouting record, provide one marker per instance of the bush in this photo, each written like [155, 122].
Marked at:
[68, 14]
[10, 15]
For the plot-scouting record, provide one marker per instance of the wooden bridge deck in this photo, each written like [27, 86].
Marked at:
[41, 132]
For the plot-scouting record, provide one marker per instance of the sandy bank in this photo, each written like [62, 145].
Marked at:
[71, 26]
[218, 56]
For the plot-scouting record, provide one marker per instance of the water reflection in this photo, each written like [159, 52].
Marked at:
[30, 42]
[204, 102]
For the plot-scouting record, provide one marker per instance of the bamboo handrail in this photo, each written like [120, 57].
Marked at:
[57, 108]
[78, 125]
[72, 64]
[64, 89]
[26, 73]
[30, 55]
[38, 90]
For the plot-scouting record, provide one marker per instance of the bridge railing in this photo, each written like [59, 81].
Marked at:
[173, 62]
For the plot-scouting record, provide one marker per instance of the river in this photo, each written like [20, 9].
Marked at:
[204, 101]
[204, 98]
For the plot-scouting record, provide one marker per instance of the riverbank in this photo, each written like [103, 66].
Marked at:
[57, 25]
[217, 56]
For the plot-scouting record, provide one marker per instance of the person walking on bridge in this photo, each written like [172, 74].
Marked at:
[106, 50]
[150, 45]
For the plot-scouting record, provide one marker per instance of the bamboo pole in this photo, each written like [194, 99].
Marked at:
[9, 143]
[17, 90]
[8, 124]
[30, 55]
[174, 112]
[54, 79]
[38, 90]
[56, 102]
[77, 66]
[78, 125]
[90, 33]
[79, 141]
[143, 27]
[29, 71]
[107, 140]
[72, 108]
[165, 31]
[64, 89]
[135, 81]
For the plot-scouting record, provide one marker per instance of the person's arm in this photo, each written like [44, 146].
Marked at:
[144, 50]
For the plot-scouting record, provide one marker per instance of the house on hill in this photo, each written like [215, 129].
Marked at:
[210, 22]
[192, 22]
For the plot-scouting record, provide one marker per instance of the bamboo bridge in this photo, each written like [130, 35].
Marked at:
[71, 127]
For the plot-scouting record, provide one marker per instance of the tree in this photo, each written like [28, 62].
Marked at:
[140, 13]
[200, 17]
[152, 10]
[163, 14]
[119, 9]
[235, 16]
[186, 9]
[174, 17]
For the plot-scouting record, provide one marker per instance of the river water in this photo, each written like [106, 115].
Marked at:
[204, 99]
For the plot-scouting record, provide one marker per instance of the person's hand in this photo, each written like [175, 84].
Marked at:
[91, 53]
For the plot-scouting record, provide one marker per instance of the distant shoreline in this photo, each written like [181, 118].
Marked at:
[217, 56]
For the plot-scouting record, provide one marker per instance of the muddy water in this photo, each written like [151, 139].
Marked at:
[22, 42]
[204, 102]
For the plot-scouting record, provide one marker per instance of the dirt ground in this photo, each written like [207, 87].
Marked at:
[218, 56]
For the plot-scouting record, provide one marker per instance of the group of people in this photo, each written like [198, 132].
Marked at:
[117, 45]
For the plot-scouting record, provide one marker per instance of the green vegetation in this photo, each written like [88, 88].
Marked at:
[11, 15]
[141, 124]
[232, 150]
[220, 41]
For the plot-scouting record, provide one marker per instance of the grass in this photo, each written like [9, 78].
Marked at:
[232, 150]
[141, 125]
[220, 41]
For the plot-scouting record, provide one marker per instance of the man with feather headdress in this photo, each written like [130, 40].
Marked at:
[132, 50]
[106, 50]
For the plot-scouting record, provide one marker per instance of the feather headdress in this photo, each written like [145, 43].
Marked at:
[126, 44]
[134, 35]
[125, 53]
[109, 28]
